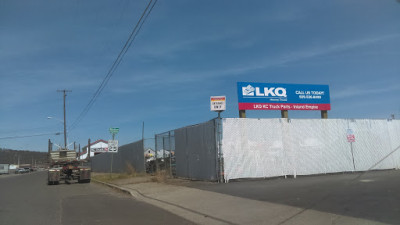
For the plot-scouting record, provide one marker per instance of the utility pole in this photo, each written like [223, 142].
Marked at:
[65, 121]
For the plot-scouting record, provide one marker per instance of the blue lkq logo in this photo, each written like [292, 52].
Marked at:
[266, 92]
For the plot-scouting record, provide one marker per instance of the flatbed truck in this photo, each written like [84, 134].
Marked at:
[64, 166]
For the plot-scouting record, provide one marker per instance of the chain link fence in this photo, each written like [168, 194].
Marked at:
[165, 152]
[190, 152]
[149, 155]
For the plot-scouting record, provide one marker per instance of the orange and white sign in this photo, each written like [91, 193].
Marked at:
[218, 103]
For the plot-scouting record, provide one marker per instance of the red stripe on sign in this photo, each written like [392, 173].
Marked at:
[283, 106]
[218, 99]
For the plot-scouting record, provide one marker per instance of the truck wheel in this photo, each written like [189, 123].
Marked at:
[52, 182]
[84, 181]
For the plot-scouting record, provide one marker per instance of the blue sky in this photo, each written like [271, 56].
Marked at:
[186, 52]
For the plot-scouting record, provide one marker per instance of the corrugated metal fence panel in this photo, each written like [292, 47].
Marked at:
[251, 150]
[101, 163]
[276, 147]
[319, 146]
[181, 153]
[196, 151]
[129, 158]
[132, 157]
[394, 135]
[372, 143]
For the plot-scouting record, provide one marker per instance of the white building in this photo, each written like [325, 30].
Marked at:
[149, 153]
[162, 154]
[97, 147]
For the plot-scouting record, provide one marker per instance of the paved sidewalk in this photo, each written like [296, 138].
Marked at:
[205, 207]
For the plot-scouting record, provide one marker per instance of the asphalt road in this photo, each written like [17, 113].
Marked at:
[27, 199]
[374, 196]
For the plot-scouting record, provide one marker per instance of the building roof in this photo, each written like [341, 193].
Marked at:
[93, 143]
[84, 149]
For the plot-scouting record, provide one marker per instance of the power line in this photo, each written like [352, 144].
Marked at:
[27, 136]
[116, 63]
[28, 129]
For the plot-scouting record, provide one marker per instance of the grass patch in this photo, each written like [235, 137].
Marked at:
[160, 177]
[131, 177]
[109, 178]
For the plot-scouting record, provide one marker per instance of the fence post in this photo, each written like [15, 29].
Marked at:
[220, 157]
[49, 151]
[170, 153]
[163, 148]
[143, 149]
[88, 157]
[88, 149]
[155, 139]
[144, 159]
[217, 160]
[79, 156]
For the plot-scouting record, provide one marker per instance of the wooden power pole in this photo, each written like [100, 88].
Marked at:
[65, 121]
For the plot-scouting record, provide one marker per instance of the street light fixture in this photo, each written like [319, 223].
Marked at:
[50, 118]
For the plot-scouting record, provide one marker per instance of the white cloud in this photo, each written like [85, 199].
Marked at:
[363, 91]
[163, 77]
[328, 49]
[168, 48]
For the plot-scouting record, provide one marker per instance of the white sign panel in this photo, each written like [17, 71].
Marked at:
[113, 146]
[350, 136]
[105, 149]
[218, 103]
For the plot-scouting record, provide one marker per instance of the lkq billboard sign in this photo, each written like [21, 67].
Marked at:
[270, 96]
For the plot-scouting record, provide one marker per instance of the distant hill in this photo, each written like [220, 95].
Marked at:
[25, 157]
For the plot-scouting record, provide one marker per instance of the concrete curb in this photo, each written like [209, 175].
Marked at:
[186, 213]
[113, 186]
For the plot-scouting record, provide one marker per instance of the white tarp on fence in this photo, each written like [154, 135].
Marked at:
[257, 148]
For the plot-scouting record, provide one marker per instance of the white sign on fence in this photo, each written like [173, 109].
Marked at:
[113, 146]
[350, 136]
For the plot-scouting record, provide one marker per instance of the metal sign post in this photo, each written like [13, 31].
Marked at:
[218, 104]
[113, 146]
[351, 138]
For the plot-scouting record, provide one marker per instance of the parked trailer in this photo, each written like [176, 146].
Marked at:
[64, 166]
[4, 168]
